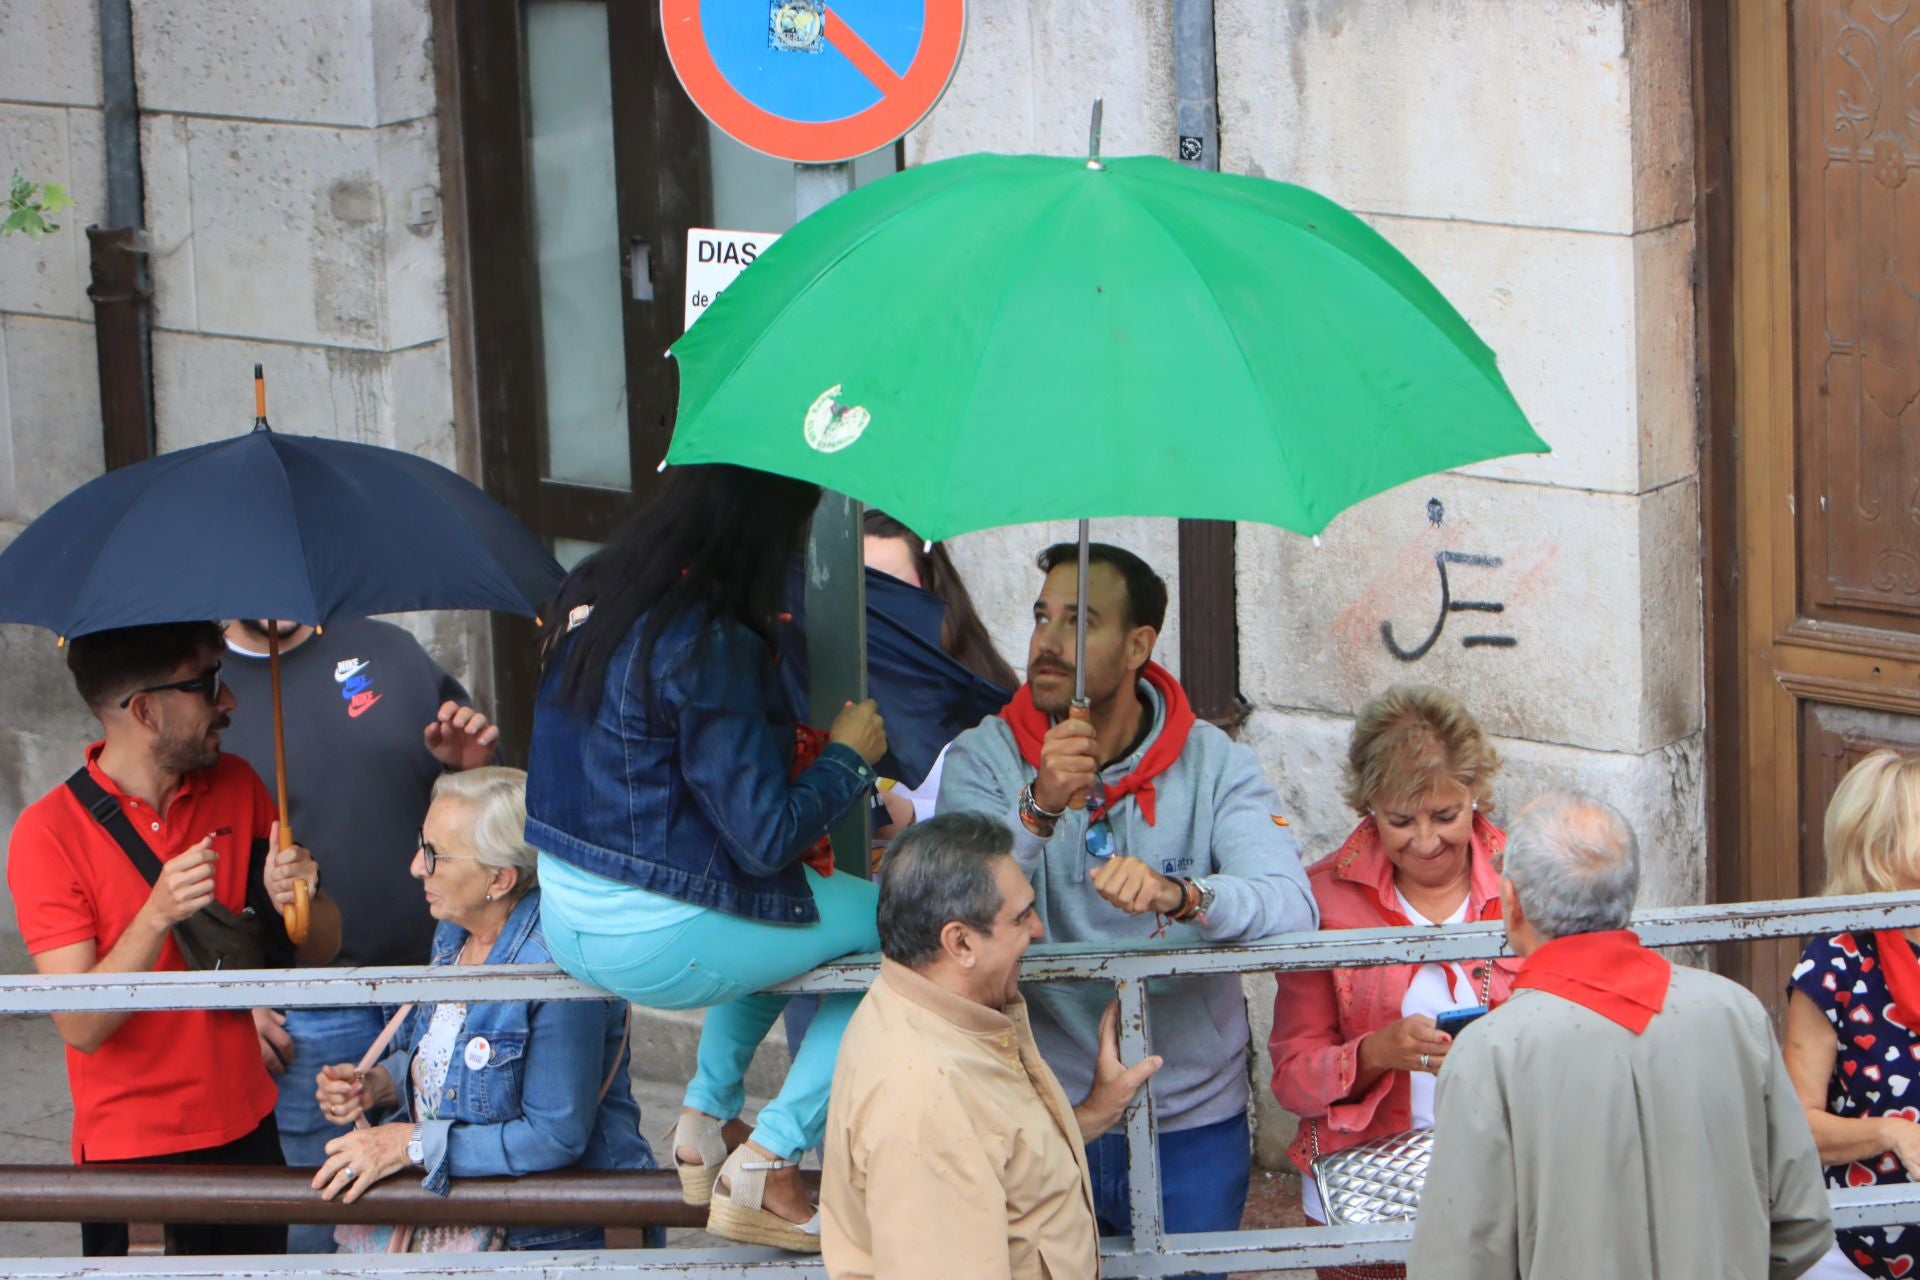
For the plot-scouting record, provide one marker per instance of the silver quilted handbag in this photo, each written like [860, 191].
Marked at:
[1377, 1181]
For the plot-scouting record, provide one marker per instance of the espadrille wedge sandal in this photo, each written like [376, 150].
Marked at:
[702, 1133]
[739, 1212]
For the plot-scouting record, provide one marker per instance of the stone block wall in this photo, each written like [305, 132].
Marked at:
[1533, 157]
[291, 169]
[50, 437]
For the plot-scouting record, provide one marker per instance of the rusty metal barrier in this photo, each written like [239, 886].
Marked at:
[1149, 1251]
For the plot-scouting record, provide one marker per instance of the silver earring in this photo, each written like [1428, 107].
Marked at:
[489, 897]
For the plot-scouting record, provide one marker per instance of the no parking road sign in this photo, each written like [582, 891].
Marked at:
[811, 81]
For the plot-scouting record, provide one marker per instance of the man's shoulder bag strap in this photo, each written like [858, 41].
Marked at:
[107, 812]
[214, 937]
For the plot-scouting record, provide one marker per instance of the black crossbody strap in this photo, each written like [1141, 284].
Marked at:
[107, 812]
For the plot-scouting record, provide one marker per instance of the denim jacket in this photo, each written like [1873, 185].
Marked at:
[529, 1106]
[679, 783]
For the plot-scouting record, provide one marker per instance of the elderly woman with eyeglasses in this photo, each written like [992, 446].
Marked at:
[1355, 1051]
[477, 1090]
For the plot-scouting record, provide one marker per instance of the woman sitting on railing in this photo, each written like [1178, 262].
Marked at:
[1355, 1051]
[495, 1088]
[1853, 1014]
[678, 810]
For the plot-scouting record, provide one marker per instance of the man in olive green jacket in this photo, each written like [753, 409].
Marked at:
[1620, 1115]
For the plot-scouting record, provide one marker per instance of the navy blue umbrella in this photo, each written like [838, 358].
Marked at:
[927, 697]
[268, 525]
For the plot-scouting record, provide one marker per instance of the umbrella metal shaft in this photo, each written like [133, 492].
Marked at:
[1080, 624]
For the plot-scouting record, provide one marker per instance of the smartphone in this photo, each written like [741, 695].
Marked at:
[1453, 1020]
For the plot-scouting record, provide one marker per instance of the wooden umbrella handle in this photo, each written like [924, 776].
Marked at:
[295, 914]
[1078, 710]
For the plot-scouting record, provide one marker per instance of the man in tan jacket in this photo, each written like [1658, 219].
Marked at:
[951, 1150]
[1620, 1115]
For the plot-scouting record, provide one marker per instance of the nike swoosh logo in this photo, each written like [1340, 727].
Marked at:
[347, 668]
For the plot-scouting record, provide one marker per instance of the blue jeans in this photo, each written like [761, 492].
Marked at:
[321, 1037]
[721, 963]
[1203, 1178]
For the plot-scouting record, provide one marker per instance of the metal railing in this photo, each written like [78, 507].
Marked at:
[1148, 1251]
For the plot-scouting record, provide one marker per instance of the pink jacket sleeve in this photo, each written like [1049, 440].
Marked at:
[1315, 1058]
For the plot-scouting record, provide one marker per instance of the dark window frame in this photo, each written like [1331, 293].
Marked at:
[493, 286]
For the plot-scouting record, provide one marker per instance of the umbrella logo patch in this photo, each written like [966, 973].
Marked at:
[831, 425]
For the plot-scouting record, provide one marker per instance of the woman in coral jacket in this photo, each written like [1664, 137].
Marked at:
[1355, 1051]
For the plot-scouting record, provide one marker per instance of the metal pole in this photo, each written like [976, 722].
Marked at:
[121, 292]
[1143, 1151]
[1196, 111]
[1209, 641]
[1080, 621]
[836, 575]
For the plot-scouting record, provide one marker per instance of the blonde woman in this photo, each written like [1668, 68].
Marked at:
[1355, 1051]
[1853, 1014]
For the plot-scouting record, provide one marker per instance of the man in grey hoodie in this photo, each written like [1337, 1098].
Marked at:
[1134, 821]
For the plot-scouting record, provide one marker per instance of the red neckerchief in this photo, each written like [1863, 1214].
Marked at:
[1902, 972]
[808, 743]
[1608, 972]
[1364, 842]
[1030, 724]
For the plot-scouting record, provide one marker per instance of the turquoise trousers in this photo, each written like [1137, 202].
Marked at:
[670, 955]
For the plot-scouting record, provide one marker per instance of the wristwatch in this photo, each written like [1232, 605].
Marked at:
[1205, 887]
[1036, 819]
[416, 1150]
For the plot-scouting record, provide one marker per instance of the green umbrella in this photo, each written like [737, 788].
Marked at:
[994, 340]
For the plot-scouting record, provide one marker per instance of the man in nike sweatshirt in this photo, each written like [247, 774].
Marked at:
[1134, 819]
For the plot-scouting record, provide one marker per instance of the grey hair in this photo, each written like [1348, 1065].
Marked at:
[1575, 864]
[497, 796]
[938, 871]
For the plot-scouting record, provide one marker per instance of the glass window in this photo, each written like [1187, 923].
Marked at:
[577, 242]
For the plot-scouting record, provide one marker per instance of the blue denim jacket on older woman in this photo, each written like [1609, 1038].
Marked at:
[679, 784]
[520, 1088]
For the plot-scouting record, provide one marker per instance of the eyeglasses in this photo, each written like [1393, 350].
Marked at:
[435, 857]
[207, 683]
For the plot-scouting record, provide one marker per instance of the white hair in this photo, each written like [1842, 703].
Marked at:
[497, 796]
[1575, 864]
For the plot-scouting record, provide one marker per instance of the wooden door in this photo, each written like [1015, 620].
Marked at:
[1826, 333]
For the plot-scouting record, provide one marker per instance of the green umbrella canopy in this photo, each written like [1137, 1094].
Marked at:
[993, 340]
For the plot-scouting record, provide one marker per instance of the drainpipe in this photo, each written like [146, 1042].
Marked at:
[1209, 633]
[121, 291]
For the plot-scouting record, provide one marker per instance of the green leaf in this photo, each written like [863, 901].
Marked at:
[22, 190]
[54, 198]
[17, 221]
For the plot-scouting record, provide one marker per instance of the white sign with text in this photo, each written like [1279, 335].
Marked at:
[714, 258]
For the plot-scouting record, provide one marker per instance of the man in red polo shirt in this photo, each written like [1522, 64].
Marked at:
[174, 1087]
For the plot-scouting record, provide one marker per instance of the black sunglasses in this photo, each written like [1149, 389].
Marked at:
[207, 683]
[435, 857]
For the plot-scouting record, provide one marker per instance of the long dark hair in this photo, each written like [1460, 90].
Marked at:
[962, 635]
[718, 541]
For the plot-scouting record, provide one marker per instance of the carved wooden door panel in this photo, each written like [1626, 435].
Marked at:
[1827, 285]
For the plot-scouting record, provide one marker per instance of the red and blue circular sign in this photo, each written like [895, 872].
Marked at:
[810, 81]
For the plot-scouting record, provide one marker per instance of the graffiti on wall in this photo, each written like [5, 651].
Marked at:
[1448, 605]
